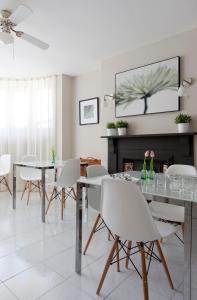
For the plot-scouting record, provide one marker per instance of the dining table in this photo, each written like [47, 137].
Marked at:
[42, 166]
[157, 189]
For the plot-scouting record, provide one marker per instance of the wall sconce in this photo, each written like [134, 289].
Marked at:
[182, 91]
[108, 98]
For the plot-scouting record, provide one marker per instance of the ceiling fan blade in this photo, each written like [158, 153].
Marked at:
[21, 13]
[6, 38]
[33, 41]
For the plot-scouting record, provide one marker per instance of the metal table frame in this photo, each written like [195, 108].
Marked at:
[190, 235]
[35, 165]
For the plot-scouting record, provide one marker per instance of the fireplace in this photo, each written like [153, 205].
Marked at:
[127, 152]
[130, 164]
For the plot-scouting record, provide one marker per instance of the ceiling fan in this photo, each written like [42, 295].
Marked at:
[8, 22]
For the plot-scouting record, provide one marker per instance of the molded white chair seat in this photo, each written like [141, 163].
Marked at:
[171, 212]
[168, 212]
[68, 178]
[127, 214]
[34, 176]
[166, 229]
[31, 176]
[5, 162]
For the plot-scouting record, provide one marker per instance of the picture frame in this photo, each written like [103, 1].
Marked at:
[89, 111]
[148, 89]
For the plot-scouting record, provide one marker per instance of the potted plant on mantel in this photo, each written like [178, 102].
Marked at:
[111, 129]
[183, 122]
[122, 127]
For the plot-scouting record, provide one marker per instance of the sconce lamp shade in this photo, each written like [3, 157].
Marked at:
[108, 98]
[182, 91]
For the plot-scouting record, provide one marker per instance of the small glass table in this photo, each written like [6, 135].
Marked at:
[41, 165]
[159, 189]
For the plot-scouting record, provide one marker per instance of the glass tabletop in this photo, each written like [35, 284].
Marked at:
[40, 164]
[179, 187]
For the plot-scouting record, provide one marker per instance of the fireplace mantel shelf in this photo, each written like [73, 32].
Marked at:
[148, 135]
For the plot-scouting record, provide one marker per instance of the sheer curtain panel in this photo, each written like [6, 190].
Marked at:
[27, 116]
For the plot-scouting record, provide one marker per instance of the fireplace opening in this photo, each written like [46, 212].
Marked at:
[160, 165]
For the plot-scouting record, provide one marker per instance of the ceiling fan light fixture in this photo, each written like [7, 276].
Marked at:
[6, 38]
[8, 21]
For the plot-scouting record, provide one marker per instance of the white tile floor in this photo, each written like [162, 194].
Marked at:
[37, 260]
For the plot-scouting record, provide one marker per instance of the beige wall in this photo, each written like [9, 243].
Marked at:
[67, 116]
[87, 138]
[64, 116]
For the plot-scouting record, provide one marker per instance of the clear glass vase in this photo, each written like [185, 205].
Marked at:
[151, 174]
[143, 174]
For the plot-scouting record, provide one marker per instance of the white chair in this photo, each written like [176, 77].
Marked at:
[94, 200]
[32, 177]
[68, 178]
[171, 212]
[5, 161]
[126, 212]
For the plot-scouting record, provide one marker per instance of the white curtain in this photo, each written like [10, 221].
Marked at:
[27, 117]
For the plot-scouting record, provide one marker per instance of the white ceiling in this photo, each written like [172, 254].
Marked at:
[82, 33]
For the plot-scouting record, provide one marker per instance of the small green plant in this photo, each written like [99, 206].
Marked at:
[121, 124]
[111, 125]
[183, 118]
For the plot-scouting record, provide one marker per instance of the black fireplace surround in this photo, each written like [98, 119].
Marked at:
[169, 148]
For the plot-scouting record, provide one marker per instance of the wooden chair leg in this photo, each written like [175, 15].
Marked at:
[39, 183]
[107, 265]
[7, 185]
[128, 253]
[164, 264]
[62, 203]
[183, 229]
[65, 198]
[117, 258]
[109, 234]
[26, 184]
[29, 187]
[144, 272]
[46, 196]
[50, 200]
[74, 194]
[91, 233]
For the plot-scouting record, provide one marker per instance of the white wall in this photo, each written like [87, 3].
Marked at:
[87, 141]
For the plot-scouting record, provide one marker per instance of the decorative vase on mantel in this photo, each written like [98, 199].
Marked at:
[183, 123]
[183, 127]
[111, 132]
[151, 173]
[122, 127]
[144, 173]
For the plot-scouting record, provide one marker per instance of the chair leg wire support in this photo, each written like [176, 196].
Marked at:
[146, 251]
[149, 253]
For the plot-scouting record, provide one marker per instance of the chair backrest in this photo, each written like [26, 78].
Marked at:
[181, 170]
[126, 212]
[87, 162]
[70, 173]
[94, 195]
[28, 173]
[5, 162]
